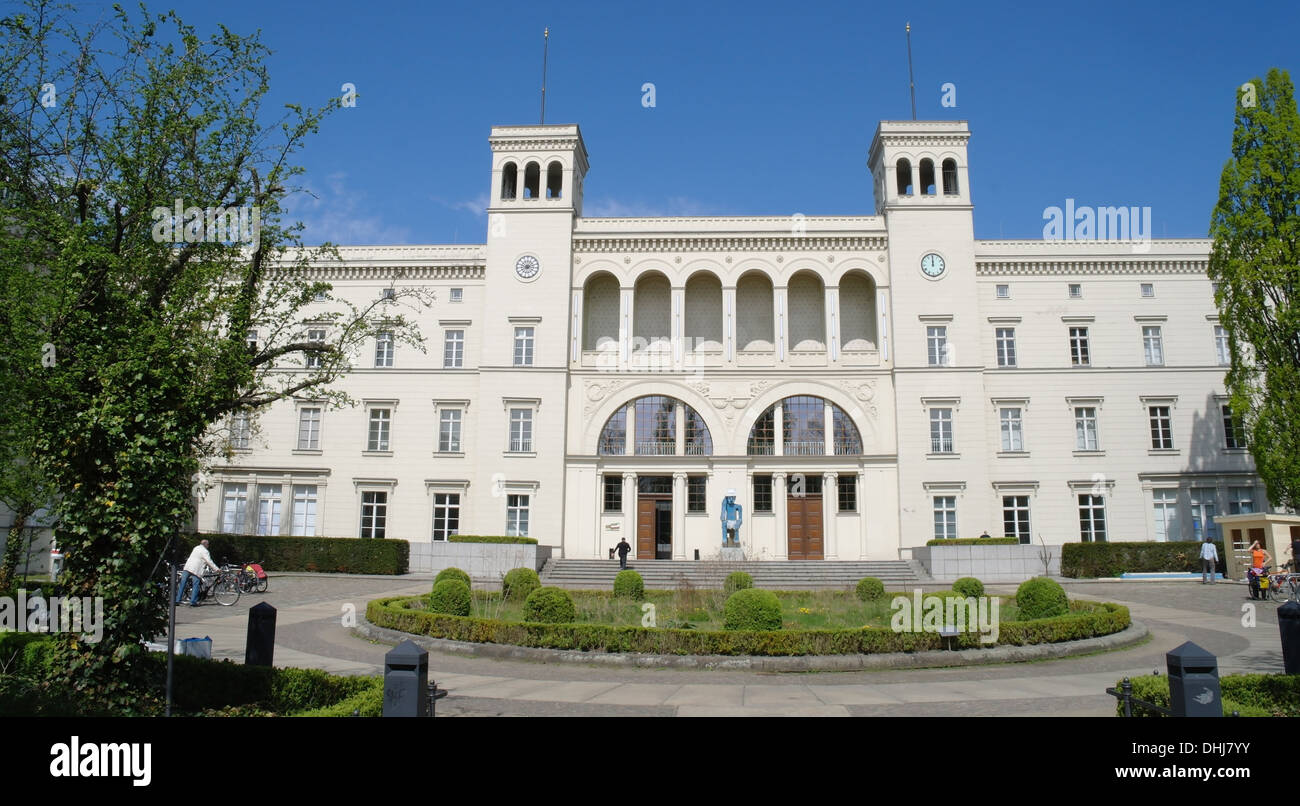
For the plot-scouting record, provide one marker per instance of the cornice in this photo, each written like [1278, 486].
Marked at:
[1098, 265]
[730, 243]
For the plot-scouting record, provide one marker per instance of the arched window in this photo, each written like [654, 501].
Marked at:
[613, 437]
[927, 177]
[803, 429]
[532, 180]
[654, 420]
[509, 181]
[904, 170]
[698, 440]
[848, 442]
[554, 178]
[950, 177]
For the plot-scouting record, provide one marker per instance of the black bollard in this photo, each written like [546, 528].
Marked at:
[261, 635]
[1288, 624]
[1193, 682]
[406, 680]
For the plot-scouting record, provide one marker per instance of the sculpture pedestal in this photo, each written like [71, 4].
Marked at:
[733, 554]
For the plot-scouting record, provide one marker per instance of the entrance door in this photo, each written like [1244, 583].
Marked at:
[654, 527]
[664, 530]
[804, 518]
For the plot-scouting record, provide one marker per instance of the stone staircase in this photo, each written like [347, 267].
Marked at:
[774, 575]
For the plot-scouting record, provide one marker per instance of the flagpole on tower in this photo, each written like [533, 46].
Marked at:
[911, 83]
[546, 39]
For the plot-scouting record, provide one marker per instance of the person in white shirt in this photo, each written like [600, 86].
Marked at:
[194, 567]
[1209, 558]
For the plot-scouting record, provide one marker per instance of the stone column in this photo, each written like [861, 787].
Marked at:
[626, 301]
[830, 508]
[679, 429]
[828, 427]
[779, 515]
[679, 514]
[629, 430]
[780, 328]
[629, 509]
[832, 318]
[778, 429]
[575, 327]
[729, 324]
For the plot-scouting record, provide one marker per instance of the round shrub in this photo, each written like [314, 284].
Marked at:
[1041, 597]
[870, 589]
[520, 582]
[550, 606]
[450, 596]
[969, 586]
[452, 573]
[752, 609]
[629, 585]
[737, 581]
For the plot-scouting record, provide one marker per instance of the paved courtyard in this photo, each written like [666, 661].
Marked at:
[310, 632]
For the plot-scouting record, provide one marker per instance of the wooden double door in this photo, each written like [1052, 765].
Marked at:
[803, 514]
[654, 527]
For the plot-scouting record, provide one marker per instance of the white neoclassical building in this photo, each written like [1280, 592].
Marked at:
[864, 383]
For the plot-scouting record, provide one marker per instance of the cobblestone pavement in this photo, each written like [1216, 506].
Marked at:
[311, 632]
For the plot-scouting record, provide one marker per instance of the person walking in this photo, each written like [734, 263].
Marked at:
[1209, 559]
[194, 566]
[623, 548]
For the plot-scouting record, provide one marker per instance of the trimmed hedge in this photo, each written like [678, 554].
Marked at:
[528, 541]
[975, 541]
[737, 581]
[453, 573]
[1247, 694]
[628, 585]
[752, 609]
[550, 606]
[1041, 597]
[969, 586]
[450, 596]
[520, 582]
[1085, 560]
[344, 555]
[1085, 620]
[870, 589]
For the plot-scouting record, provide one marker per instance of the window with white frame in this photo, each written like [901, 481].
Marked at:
[1085, 428]
[516, 515]
[1221, 346]
[1165, 503]
[446, 515]
[241, 430]
[1148, 290]
[384, 348]
[374, 513]
[1015, 517]
[847, 492]
[453, 349]
[315, 336]
[457, 295]
[1092, 518]
[1153, 346]
[936, 337]
[521, 430]
[1004, 291]
[1241, 500]
[309, 428]
[1233, 434]
[234, 509]
[250, 341]
[389, 294]
[612, 487]
[945, 517]
[1076, 291]
[1013, 438]
[1006, 344]
[269, 506]
[523, 347]
[1162, 434]
[381, 423]
[449, 421]
[1079, 347]
[1204, 508]
[321, 296]
[304, 510]
[941, 430]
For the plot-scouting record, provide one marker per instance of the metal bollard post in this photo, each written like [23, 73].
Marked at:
[1127, 688]
[1193, 682]
[406, 680]
[260, 648]
[1288, 624]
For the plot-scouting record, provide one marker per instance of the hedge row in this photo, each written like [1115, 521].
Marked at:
[1247, 694]
[530, 541]
[1085, 620]
[975, 541]
[1085, 560]
[349, 555]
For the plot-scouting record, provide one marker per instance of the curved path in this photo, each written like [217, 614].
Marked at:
[312, 631]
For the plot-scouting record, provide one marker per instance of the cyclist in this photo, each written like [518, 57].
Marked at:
[194, 567]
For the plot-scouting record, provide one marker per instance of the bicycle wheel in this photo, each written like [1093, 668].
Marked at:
[247, 582]
[226, 591]
[261, 584]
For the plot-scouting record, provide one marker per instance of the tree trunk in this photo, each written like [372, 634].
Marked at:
[14, 547]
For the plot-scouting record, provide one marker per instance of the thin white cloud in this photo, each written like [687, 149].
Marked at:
[333, 212]
[667, 208]
[477, 205]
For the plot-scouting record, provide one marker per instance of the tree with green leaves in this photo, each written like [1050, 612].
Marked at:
[1256, 262]
[142, 239]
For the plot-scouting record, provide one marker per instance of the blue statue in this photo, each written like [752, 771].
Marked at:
[733, 515]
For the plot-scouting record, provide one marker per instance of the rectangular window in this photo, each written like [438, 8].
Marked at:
[269, 505]
[1079, 346]
[613, 488]
[941, 431]
[234, 509]
[1013, 438]
[1153, 346]
[848, 493]
[521, 430]
[1085, 428]
[937, 345]
[389, 294]
[321, 296]
[1092, 518]
[1162, 435]
[449, 431]
[517, 516]
[1232, 431]
[457, 295]
[1221, 346]
[453, 349]
[250, 341]
[523, 347]
[1166, 512]
[762, 493]
[315, 336]
[1004, 292]
[1148, 290]
[381, 421]
[1015, 517]
[309, 428]
[241, 430]
[1006, 343]
[374, 514]
[1241, 500]
[945, 517]
[304, 510]
[384, 349]
[696, 492]
[1204, 508]
[446, 515]
[1076, 291]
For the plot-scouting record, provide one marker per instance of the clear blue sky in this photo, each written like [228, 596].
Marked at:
[763, 107]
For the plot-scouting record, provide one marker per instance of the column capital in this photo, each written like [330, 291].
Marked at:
[679, 474]
[627, 475]
[778, 474]
[831, 475]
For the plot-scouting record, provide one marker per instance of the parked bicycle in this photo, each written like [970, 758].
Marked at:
[221, 587]
[252, 577]
[1282, 587]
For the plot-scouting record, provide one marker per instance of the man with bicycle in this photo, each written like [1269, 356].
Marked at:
[194, 567]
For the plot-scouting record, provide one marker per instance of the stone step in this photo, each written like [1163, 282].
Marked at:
[789, 575]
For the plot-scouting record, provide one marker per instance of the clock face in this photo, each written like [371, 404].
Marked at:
[527, 267]
[932, 265]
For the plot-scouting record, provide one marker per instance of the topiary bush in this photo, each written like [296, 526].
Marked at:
[550, 606]
[450, 596]
[629, 585]
[452, 573]
[737, 581]
[969, 586]
[520, 582]
[752, 609]
[1041, 597]
[870, 589]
